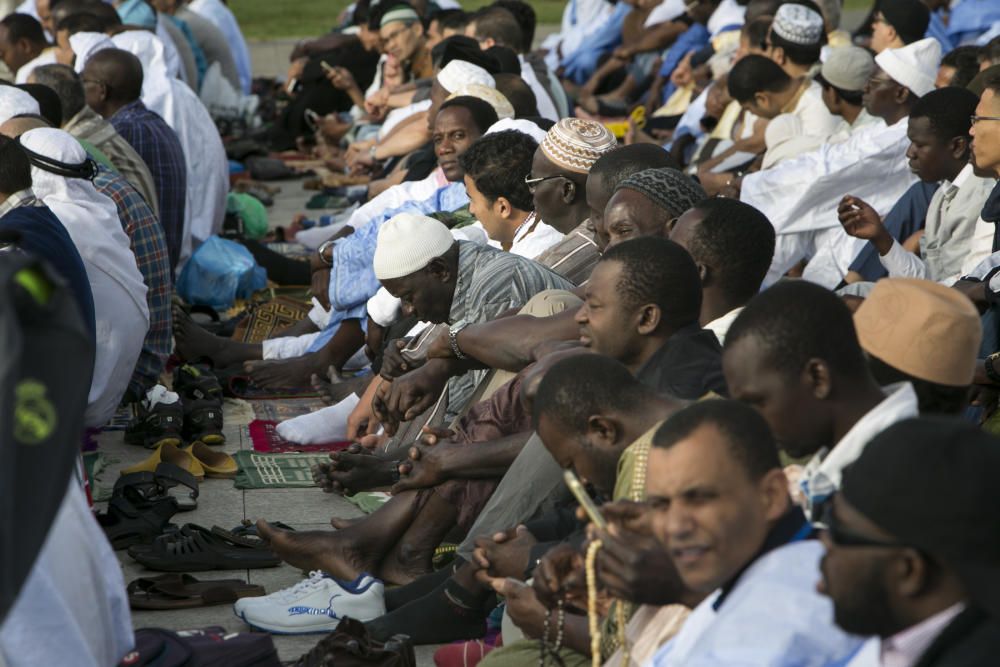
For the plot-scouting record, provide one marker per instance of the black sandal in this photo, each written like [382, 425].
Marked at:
[127, 526]
[197, 549]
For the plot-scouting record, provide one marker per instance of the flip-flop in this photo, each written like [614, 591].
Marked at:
[170, 454]
[196, 549]
[182, 591]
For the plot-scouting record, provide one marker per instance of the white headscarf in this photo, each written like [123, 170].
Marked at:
[15, 102]
[120, 310]
[86, 44]
[156, 89]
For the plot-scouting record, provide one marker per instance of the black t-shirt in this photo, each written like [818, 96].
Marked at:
[687, 366]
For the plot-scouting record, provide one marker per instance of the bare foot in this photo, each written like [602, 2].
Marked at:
[341, 524]
[274, 373]
[332, 552]
[195, 344]
[335, 389]
[351, 471]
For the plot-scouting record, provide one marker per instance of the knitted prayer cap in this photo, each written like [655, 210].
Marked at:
[458, 73]
[575, 144]
[667, 188]
[407, 243]
[491, 96]
[798, 24]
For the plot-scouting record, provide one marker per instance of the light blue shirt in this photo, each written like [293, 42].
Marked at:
[352, 276]
[773, 617]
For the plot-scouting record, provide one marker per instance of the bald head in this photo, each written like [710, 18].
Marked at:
[112, 78]
[15, 127]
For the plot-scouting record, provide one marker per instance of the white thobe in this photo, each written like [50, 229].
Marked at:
[219, 14]
[546, 107]
[800, 197]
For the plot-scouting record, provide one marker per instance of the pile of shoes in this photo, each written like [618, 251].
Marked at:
[143, 502]
[195, 414]
[194, 548]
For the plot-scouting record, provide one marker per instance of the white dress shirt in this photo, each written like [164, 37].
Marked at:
[948, 231]
[720, 326]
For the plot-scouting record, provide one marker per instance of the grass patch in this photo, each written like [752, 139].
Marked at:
[277, 19]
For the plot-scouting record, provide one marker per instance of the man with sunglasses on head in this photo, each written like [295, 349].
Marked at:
[912, 547]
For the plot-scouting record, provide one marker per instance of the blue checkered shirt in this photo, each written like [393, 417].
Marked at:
[150, 248]
[160, 148]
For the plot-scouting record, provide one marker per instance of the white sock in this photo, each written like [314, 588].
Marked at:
[160, 394]
[326, 425]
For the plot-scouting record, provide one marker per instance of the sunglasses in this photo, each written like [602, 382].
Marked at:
[844, 537]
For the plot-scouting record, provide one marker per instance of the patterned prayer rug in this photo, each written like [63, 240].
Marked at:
[275, 471]
[266, 440]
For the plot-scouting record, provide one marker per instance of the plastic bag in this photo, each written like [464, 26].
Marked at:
[251, 212]
[219, 272]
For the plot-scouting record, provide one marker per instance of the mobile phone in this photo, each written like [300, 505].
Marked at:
[576, 488]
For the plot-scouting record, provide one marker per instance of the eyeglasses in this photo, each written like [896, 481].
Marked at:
[843, 537]
[394, 34]
[532, 182]
[976, 119]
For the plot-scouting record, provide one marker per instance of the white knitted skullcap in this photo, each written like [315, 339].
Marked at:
[408, 243]
[487, 94]
[913, 66]
[798, 24]
[458, 73]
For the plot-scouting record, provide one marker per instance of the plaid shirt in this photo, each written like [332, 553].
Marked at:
[160, 148]
[150, 248]
[20, 198]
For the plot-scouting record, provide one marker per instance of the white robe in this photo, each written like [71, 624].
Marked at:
[800, 198]
[219, 14]
[205, 156]
[73, 609]
[580, 20]
[120, 309]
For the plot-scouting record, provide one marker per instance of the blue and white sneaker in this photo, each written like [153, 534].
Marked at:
[316, 604]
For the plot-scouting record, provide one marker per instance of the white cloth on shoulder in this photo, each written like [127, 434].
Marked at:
[120, 309]
[86, 44]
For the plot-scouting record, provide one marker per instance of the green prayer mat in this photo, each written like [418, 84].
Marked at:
[95, 463]
[276, 471]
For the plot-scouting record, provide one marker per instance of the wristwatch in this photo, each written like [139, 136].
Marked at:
[371, 153]
[991, 371]
[322, 252]
[453, 341]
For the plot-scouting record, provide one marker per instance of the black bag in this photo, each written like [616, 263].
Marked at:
[45, 371]
[350, 646]
[201, 648]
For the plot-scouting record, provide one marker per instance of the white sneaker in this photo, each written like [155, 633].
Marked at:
[316, 604]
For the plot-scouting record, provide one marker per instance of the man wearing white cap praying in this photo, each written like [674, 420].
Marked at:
[797, 35]
[800, 196]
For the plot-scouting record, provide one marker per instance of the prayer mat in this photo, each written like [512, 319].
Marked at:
[267, 319]
[280, 410]
[266, 440]
[240, 386]
[368, 501]
[94, 464]
[275, 471]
